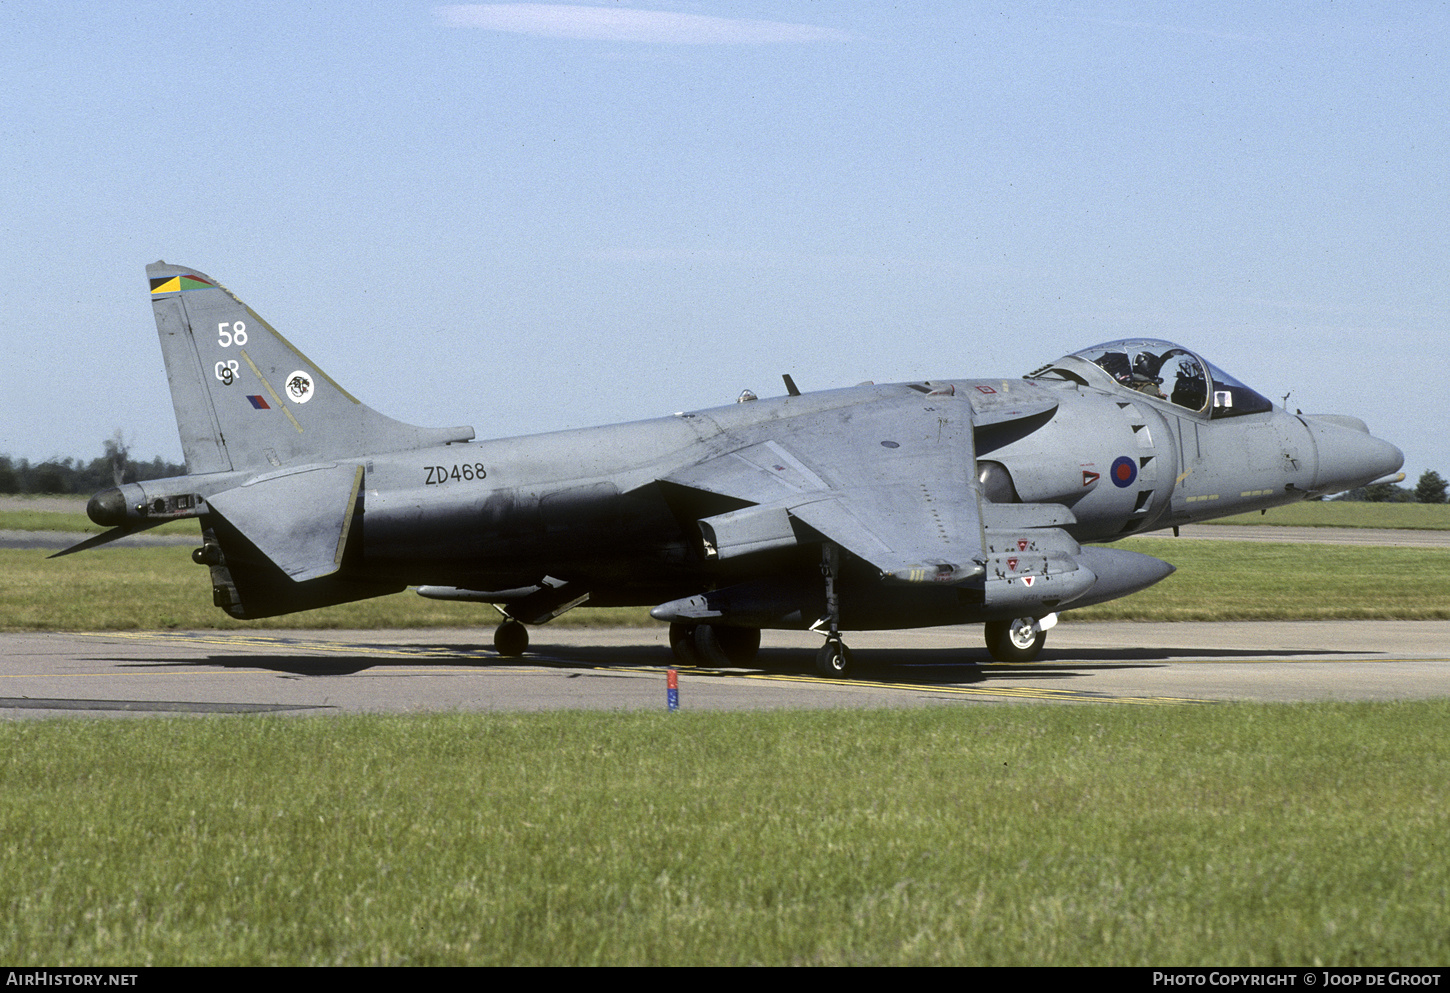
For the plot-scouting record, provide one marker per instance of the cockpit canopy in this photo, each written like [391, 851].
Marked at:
[1159, 370]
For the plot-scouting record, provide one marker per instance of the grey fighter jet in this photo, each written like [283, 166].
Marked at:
[878, 506]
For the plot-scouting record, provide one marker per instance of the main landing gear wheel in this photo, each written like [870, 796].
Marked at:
[1017, 640]
[682, 643]
[511, 638]
[721, 645]
[713, 644]
[834, 660]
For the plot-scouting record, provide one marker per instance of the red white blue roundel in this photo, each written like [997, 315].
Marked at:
[1124, 471]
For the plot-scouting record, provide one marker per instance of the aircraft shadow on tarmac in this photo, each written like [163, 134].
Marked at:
[916, 666]
[293, 665]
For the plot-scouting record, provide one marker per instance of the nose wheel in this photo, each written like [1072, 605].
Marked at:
[1017, 640]
[834, 659]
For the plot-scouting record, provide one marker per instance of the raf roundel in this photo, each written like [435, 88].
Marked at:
[298, 387]
[1123, 472]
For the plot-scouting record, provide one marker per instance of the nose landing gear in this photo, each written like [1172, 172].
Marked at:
[1018, 640]
[834, 658]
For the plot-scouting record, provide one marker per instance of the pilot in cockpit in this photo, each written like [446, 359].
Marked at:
[1145, 374]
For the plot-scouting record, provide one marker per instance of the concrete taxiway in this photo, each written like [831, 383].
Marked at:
[328, 672]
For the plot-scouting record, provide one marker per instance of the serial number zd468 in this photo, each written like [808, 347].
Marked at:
[460, 472]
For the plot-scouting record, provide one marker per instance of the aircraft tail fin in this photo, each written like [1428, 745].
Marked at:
[246, 398]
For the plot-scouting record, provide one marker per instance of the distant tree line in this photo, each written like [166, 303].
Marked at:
[77, 476]
[1430, 489]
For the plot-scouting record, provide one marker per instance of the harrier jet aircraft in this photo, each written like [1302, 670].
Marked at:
[877, 506]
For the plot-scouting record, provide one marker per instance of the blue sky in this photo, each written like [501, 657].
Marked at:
[535, 217]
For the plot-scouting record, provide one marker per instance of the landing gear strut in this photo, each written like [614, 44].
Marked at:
[1017, 640]
[834, 658]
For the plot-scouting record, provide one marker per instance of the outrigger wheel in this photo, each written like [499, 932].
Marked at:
[511, 638]
[1017, 640]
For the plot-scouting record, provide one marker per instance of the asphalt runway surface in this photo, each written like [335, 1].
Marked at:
[330, 672]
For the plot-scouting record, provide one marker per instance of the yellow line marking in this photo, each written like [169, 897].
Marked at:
[273, 393]
[1001, 692]
[297, 352]
[357, 479]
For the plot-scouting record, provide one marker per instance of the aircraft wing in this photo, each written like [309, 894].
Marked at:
[891, 480]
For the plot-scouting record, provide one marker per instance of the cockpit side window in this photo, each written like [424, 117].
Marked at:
[1190, 386]
[1233, 399]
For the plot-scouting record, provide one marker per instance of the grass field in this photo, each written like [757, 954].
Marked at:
[160, 588]
[1341, 514]
[1224, 835]
[1082, 835]
[68, 513]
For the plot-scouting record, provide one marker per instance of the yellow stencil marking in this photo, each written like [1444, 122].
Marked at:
[271, 392]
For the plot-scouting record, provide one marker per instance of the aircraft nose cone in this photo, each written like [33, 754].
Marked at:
[107, 508]
[1349, 456]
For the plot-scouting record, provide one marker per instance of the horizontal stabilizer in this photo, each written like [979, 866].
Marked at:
[299, 520]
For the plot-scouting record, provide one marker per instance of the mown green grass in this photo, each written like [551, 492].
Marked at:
[1345, 514]
[1416, 516]
[160, 588]
[1084, 835]
[49, 520]
[1233, 580]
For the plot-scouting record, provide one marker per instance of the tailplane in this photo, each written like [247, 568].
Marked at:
[246, 398]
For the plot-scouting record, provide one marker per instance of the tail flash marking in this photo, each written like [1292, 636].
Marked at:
[179, 284]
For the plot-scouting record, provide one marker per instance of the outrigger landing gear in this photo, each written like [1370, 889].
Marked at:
[834, 658]
[511, 638]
